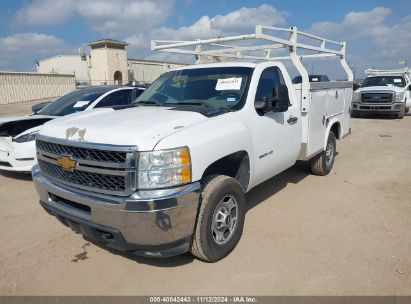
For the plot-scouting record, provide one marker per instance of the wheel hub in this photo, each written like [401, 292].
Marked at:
[329, 153]
[224, 220]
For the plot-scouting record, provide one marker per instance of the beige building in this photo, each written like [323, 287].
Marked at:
[146, 71]
[107, 63]
[65, 64]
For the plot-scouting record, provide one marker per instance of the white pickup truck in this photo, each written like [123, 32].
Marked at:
[384, 92]
[169, 174]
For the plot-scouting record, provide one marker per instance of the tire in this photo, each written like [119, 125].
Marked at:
[354, 114]
[218, 192]
[322, 163]
[407, 110]
[401, 114]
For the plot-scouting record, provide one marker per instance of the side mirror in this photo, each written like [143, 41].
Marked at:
[279, 102]
[281, 99]
[262, 105]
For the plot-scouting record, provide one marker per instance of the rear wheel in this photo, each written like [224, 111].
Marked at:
[220, 219]
[322, 163]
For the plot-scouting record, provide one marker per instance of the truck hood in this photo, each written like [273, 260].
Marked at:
[16, 125]
[141, 126]
[380, 88]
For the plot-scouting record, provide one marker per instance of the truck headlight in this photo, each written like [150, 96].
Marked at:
[25, 138]
[356, 97]
[399, 96]
[164, 168]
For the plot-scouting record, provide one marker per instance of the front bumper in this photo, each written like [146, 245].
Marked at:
[145, 223]
[378, 108]
[18, 157]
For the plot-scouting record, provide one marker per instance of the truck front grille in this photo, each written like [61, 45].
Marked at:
[377, 97]
[95, 167]
[82, 153]
[105, 182]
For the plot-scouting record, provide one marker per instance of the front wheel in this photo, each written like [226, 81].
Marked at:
[220, 219]
[322, 163]
[401, 114]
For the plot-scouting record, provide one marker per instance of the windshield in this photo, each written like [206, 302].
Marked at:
[73, 102]
[398, 81]
[220, 87]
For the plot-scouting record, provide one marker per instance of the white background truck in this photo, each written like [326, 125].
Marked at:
[384, 92]
[169, 174]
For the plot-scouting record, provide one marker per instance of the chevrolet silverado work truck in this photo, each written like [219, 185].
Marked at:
[168, 174]
[384, 92]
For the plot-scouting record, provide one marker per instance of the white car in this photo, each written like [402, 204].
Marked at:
[17, 134]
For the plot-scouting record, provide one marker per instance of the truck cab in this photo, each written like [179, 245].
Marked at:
[168, 174]
[384, 92]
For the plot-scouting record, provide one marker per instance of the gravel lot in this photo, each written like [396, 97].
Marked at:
[344, 234]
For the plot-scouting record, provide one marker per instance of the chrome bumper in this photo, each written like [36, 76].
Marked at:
[377, 108]
[147, 223]
[18, 157]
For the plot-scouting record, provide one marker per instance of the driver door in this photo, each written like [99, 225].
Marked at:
[278, 134]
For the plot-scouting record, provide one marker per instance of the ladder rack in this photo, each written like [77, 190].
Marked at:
[403, 72]
[259, 46]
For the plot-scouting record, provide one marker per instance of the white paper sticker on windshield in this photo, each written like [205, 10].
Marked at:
[81, 103]
[314, 79]
[228, 84]
[396, 80]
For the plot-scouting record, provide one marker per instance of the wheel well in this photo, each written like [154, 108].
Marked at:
[336, 129]
[236, 165]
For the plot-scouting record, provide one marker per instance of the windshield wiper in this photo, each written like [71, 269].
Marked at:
[200, 104]
[150, 102]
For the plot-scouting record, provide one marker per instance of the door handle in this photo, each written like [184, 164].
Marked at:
[292, 120]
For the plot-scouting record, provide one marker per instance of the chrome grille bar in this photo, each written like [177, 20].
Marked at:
[99, 168]
[377, 97]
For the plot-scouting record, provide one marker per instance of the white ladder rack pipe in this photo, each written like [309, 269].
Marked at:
[256, 50]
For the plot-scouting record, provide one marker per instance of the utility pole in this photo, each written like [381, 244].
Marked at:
[355, 70]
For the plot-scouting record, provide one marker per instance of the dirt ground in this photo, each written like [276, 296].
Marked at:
[344, 234]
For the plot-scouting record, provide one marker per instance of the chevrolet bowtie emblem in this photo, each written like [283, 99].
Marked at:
[66, 162]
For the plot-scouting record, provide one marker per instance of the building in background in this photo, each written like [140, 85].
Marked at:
[107, 63]
[146, 71]
[65, 64]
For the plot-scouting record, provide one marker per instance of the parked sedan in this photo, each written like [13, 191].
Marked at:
[17, 134]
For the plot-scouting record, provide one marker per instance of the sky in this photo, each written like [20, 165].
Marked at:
[377, 32]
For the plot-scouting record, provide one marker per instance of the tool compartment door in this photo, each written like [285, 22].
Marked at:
[316, 121]
[339, 103]
[335, 102]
